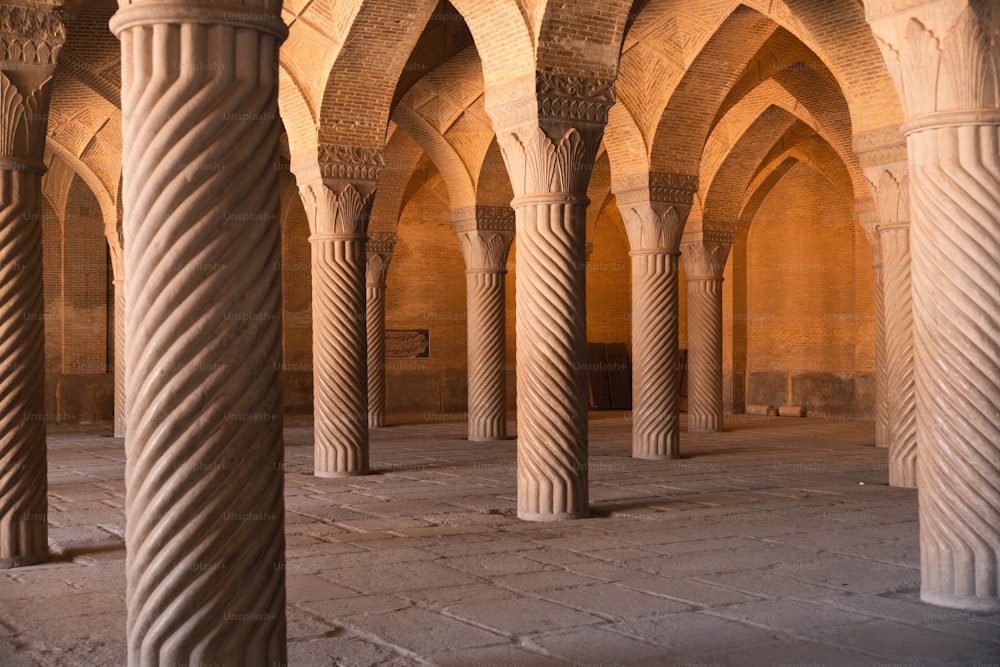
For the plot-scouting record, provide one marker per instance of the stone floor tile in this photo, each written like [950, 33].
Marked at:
[507, 655]
[397, 577]
[898, 642]
[597, 646]
[694, 633]
[613, 602]
[423, 632]
[521, 616]
[688, 591]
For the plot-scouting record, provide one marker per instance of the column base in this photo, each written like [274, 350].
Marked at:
[486, 438]
[961, 601]
[656, 457]
[337, 475]
[24, 561]
[553, 516]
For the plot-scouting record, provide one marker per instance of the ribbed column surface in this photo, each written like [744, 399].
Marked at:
[881, 390]
[375, 324]
[704, 355]
[955, 243]
[340, 356]
[551, 344]
[120, 410]
[23, 472]
[655, 356]
[487, 343]
[899, 382]
[204, 481]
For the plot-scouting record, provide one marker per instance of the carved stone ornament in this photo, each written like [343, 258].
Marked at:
[31, 35]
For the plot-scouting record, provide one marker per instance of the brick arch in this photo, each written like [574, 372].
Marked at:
[599, 191]
[721, 206]
[685, 124]
[493, 186]
[461, 192]
[402, 159]
[828, 121]
[594, 51]
[836, 33]
[813, 152]
[355, 104]
[108, 205]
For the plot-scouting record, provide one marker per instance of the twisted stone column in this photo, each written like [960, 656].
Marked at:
[704, 262]
[654, 211]
[205, 538]
[120, 390]
[485, 235]
[549, 143]
[379, 254]
[900, 388]
[883, 158]
[941, 54]
[30, 39]
[338, 203]
[881, 388]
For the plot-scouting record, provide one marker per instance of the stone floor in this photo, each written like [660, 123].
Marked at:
[776, 543]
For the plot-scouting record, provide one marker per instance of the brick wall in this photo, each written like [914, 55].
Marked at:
[809, 300]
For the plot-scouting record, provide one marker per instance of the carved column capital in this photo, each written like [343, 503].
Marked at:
[705, 257]
[378, 254]
[30, 35]
[336, 213]
[485, 234]
[883, 158]
[940, 55]
[30, 40]
[260, 15]
[654, 208]
[549, 139]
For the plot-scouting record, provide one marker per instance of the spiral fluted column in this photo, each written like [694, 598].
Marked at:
[29, 45]
[704, 262]
[955, 241]
[552, 345]
[549, 141]
[485, 235]
[378, 254]
[881, 389]
[655, 356]
[340, 355]
[337, 191]
[654, 208]
[205, 580]
[23, 473]
[120, 389]
[899, 381]
[942, 56]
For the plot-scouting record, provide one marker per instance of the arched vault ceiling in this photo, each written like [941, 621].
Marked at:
[825, 121]
[722, 199]
[403, 158]
[667, 36]
[813, 152]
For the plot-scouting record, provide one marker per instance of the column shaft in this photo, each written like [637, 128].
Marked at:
[551, 346]
[898, 333]
[204, 482]
[120, 410]
[655, 367]
[704, 354]
[881, 389]
[487, 344]
[23, 472]
[955, 243]
[375, 320]
[340, 355]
